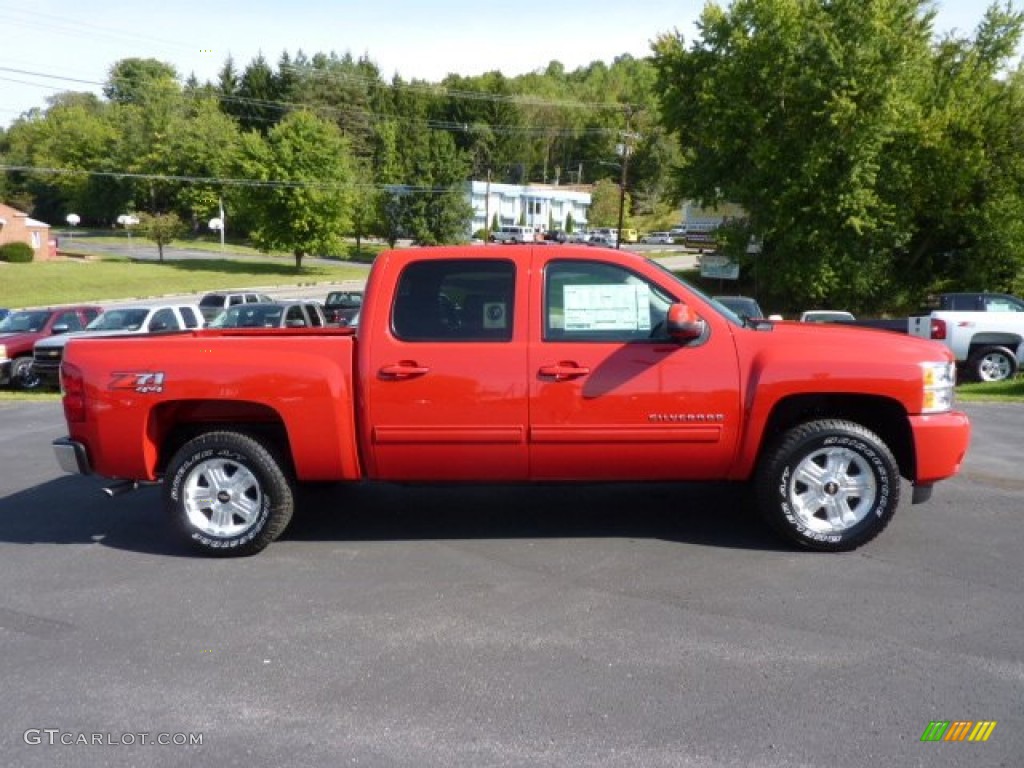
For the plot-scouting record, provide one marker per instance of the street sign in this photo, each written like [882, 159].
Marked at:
[720, 267]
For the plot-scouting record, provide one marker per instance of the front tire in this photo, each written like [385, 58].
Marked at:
[227, 494]
[992, 364]
[22, 375]
[828, 485]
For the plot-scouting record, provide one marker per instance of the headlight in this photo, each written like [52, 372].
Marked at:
[938, 381]
[3, 352]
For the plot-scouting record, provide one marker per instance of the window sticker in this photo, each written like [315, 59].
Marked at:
[607, 307]
[495, 315]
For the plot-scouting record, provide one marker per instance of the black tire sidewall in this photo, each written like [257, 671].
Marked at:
[274, 491]
[774, 483]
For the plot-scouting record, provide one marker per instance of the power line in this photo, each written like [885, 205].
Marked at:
[223, 181]
[450, 126]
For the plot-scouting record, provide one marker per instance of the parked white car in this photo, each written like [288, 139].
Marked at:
[116, 321]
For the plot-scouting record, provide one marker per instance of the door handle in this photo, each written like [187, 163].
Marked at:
[564, 371]
[406, 369]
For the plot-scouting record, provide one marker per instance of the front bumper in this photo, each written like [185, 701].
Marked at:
[5, 371]
[940, 444]
[72, 456]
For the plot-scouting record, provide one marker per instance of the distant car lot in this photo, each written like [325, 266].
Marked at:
[431, 626]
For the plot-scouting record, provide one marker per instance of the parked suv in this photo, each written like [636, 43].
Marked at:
[212, 304]
[514, 234]
[20, 330]
[342, 306]
[118, 321]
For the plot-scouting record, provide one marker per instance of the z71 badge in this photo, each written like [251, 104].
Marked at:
[143, 382]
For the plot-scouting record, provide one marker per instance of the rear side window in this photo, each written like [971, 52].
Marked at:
[455, 300]
[188, 315]
[164, 320]
[70, 319]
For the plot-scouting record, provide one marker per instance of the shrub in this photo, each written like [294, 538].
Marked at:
[16, 253]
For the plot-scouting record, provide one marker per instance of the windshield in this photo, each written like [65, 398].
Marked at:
[249, 316]
[119, 320]
[22, 322]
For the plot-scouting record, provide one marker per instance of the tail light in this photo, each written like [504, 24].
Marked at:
[72, 386]
[938, 329]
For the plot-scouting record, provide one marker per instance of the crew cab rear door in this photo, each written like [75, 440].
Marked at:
[444, 372]
[612, 397]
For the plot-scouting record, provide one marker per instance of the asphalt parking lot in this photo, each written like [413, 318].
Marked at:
[550, 626]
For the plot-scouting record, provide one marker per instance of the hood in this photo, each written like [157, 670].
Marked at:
[14, 340]
[834, 340]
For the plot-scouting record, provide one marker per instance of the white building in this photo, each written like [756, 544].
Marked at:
[534, 205]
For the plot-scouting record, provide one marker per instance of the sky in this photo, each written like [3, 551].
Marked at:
[49, 46]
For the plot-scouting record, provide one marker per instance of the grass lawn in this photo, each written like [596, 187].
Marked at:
[997, 392]
[74, 280]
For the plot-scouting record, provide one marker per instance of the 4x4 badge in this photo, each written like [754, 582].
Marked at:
[143, 382]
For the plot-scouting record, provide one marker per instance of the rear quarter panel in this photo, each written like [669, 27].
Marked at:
[139, 390]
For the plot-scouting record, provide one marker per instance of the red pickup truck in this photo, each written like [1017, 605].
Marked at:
[517, 364]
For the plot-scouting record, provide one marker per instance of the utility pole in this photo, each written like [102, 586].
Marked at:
[487, 210]
[625, 148]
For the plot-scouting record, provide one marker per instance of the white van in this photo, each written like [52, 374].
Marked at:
[514, 234]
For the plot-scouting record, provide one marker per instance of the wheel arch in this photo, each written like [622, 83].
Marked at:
[884, 416]
[1012, 341]
[172, 424]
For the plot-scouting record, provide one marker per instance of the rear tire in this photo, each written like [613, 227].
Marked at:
[992, 364]
[828, 485]
[227, 494]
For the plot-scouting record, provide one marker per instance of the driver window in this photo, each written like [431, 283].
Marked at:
[595, 301]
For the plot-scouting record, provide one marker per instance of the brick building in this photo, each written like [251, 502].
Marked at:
[16, 226]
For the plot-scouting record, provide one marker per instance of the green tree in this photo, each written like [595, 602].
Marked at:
[604, 204]
[162, 229]
[787, 108]
[303, 203]
[437, 211]
[873, 162]
[130, 81]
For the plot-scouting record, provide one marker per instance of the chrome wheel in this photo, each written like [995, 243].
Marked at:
[994, 366]
[222, 498]
[832, 490]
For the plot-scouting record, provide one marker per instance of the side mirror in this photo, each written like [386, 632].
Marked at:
[295, 323]
[60, 328]
[158, 325]
[683, 324]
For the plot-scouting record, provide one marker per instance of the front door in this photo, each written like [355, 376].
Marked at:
[611, 396]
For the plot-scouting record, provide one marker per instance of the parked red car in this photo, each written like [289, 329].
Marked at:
[21, 329]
